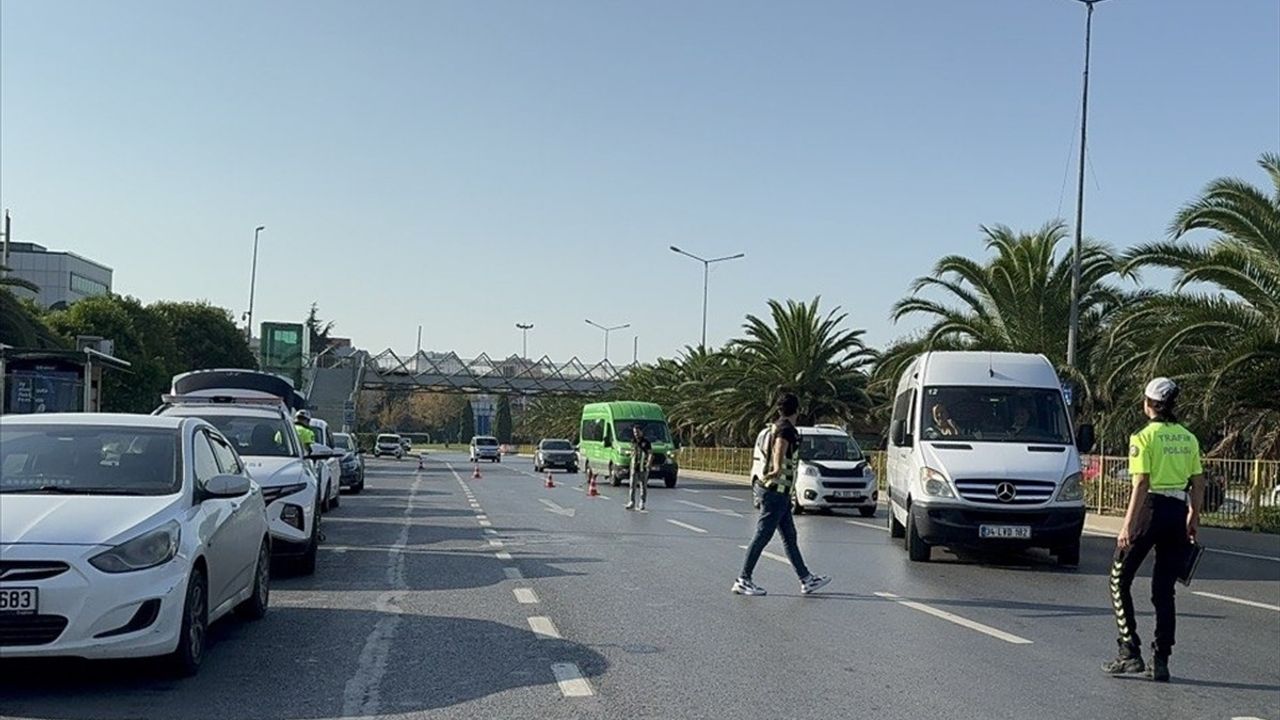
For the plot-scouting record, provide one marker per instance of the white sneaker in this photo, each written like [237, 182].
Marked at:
[813, 582]
[640, 507]
[742, 586]
[630, 505]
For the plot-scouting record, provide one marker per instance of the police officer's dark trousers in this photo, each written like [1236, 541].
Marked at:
[1161, 524]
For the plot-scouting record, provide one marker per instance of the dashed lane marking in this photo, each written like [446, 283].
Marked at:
[525, 596]
[1238, 601]
[512, 573]
[735, 499]
[708, 508]
[543, 628]
[485, 523]
[953, 618]
[495, 543]
[873, 526]
[770, 555]
[570, 680]
[503, 555]
[686, 526]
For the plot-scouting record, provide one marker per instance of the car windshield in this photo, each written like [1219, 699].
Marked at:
[389, 439]
[342, 442]
[556, 445]
[90, 460]
[486, 442]
[256, 436]
[995, 414]
[829, 447]
[654, 430]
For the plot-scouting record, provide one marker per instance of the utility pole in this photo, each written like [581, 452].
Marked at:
[419, 350]
[1073, 332]
[253, 280]
[4, 254]
[607, 330]
[524, 339]
[706, 274]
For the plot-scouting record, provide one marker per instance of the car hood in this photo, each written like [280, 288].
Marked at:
[76, 519]
[1001, 461]
[275, 471]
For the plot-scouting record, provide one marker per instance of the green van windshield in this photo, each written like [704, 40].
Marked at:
[654, 430]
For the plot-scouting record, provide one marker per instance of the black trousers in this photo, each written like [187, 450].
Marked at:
[1161, 525]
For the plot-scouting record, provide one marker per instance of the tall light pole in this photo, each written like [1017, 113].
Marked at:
[607, 330]
[706, 273]
[1073, 332]
[524, 339]
[253, 279]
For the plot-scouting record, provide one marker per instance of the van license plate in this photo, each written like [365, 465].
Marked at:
[1014, 532]
[18, 601]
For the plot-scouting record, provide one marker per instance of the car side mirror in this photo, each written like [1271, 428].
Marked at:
[1085, 438]
[225, 486]
[320, 452]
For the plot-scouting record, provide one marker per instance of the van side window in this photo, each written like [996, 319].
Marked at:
[593, 430]
[902, 406]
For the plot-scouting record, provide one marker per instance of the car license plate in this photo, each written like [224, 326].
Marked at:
[1014, 532]
[848, 494]
[18, 601]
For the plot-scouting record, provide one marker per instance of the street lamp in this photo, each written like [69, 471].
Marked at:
[1073, 332]
[524, 344]
[607, 330]
[253, 279]
[706, 272]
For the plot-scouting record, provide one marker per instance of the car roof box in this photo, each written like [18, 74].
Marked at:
[201, 382]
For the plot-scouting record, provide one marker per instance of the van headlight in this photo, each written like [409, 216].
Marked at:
[809, 471]
[935, 483]
[148, 550]
[1072, 489]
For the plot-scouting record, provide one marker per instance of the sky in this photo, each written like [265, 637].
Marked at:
[468, 165]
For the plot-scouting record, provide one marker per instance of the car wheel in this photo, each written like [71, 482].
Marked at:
[1069, 556]
[355, 489]
[256, 606]
[917, 549]
[867, 511]
[336, 501]
[194, 629]
[307, 563]
[573, 470]
[796, 507]
[614, 478]
[896, 529]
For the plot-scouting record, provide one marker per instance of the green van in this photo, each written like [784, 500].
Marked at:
[604, 439]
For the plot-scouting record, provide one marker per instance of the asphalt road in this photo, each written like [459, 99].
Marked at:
[439, 595]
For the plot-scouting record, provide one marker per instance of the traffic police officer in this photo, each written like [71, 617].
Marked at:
[1164, 513]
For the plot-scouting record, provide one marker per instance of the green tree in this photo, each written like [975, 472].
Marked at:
[502, 420]
[204, 337]
[552, 417]
[1219, 330]
[466, 423]
[319, 329]
[23, 325]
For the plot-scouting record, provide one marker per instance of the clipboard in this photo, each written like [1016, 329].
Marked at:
[1195, 551]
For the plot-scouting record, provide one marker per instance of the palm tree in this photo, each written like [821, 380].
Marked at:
[1224, 340]
[1017, 301]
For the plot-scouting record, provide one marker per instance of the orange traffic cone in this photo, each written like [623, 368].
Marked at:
[475, 474]
[550, 483]
[419, 462]
[591, 485]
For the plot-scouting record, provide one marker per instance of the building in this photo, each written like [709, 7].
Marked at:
[63, 277]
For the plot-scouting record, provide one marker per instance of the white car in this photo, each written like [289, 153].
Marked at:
[485, 447]
[388, 444]
[832, 471]
[262, 432]
[329, 470]
[124, 536]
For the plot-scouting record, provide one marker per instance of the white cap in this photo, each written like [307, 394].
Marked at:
[1162, 389]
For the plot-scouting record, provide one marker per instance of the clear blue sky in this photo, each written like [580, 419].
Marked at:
[468, 165]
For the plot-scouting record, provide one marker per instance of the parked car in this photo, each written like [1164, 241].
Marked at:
[351, 462]
[981, 452]
[259, 424]
[328, 470]
[388, 444]
[485, 447]
[605, 440]
[555, 454]
[832, 471]
[125, 536]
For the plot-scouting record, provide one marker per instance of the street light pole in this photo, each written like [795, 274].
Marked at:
[1073, 332]
[253, 279]
[706, 275]
[607, 330]
[524, 339]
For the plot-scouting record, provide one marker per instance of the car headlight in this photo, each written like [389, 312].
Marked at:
[809, 471]
[148, 550]
[935, 483]
[1072, 489]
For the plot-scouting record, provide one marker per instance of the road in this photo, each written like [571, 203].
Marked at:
[440, 595]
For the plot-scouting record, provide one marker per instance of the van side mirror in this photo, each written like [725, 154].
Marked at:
[898, 434]
[1085, 438]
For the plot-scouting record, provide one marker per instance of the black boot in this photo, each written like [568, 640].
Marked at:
[1129, 660]
[1159, 671]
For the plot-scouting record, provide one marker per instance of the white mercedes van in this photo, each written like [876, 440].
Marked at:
[982, 453]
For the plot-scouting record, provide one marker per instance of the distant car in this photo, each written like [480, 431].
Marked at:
[125, 536]
[555, 454]
[388, 444]
[328, 470]
[485, 447]
[352, 462]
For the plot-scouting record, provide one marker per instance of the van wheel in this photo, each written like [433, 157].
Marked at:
[896, 529]
[1069, 556]
[917, 549]
[670, 480]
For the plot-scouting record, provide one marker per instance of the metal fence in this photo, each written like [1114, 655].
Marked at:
[1238, 493]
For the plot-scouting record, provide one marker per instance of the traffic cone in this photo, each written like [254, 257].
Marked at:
[550, 483]
[475, 474]
[419, 462]
[591, 485]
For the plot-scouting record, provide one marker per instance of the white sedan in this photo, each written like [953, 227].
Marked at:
[125, 536]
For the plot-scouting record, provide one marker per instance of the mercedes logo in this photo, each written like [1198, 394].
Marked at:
[1006, 492]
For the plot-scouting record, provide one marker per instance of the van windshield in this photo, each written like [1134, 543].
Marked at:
[993, 414]
[654, 430]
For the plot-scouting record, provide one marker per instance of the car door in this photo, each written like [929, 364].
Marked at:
[214, 524]
[245, 527]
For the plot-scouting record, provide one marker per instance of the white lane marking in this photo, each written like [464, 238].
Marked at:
[708, 508]
[770, 555]
[1238, 601]
[873, 526]
[525, 596]
[570, 680]
[1245, 717]
[735, 499]
[962, 622]
[512, 573]
[543, 628]
[688, 490]
[1243, 554]
[490, 531]
[552, 507]
[482, 517]
[502, 555]
[686, 526]
[485, 523]
[495, 543]
[361, 696]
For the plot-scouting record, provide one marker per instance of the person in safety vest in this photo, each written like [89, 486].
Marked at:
[302, 423]
[641, 455]
[1164, 514]
[774, 493]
